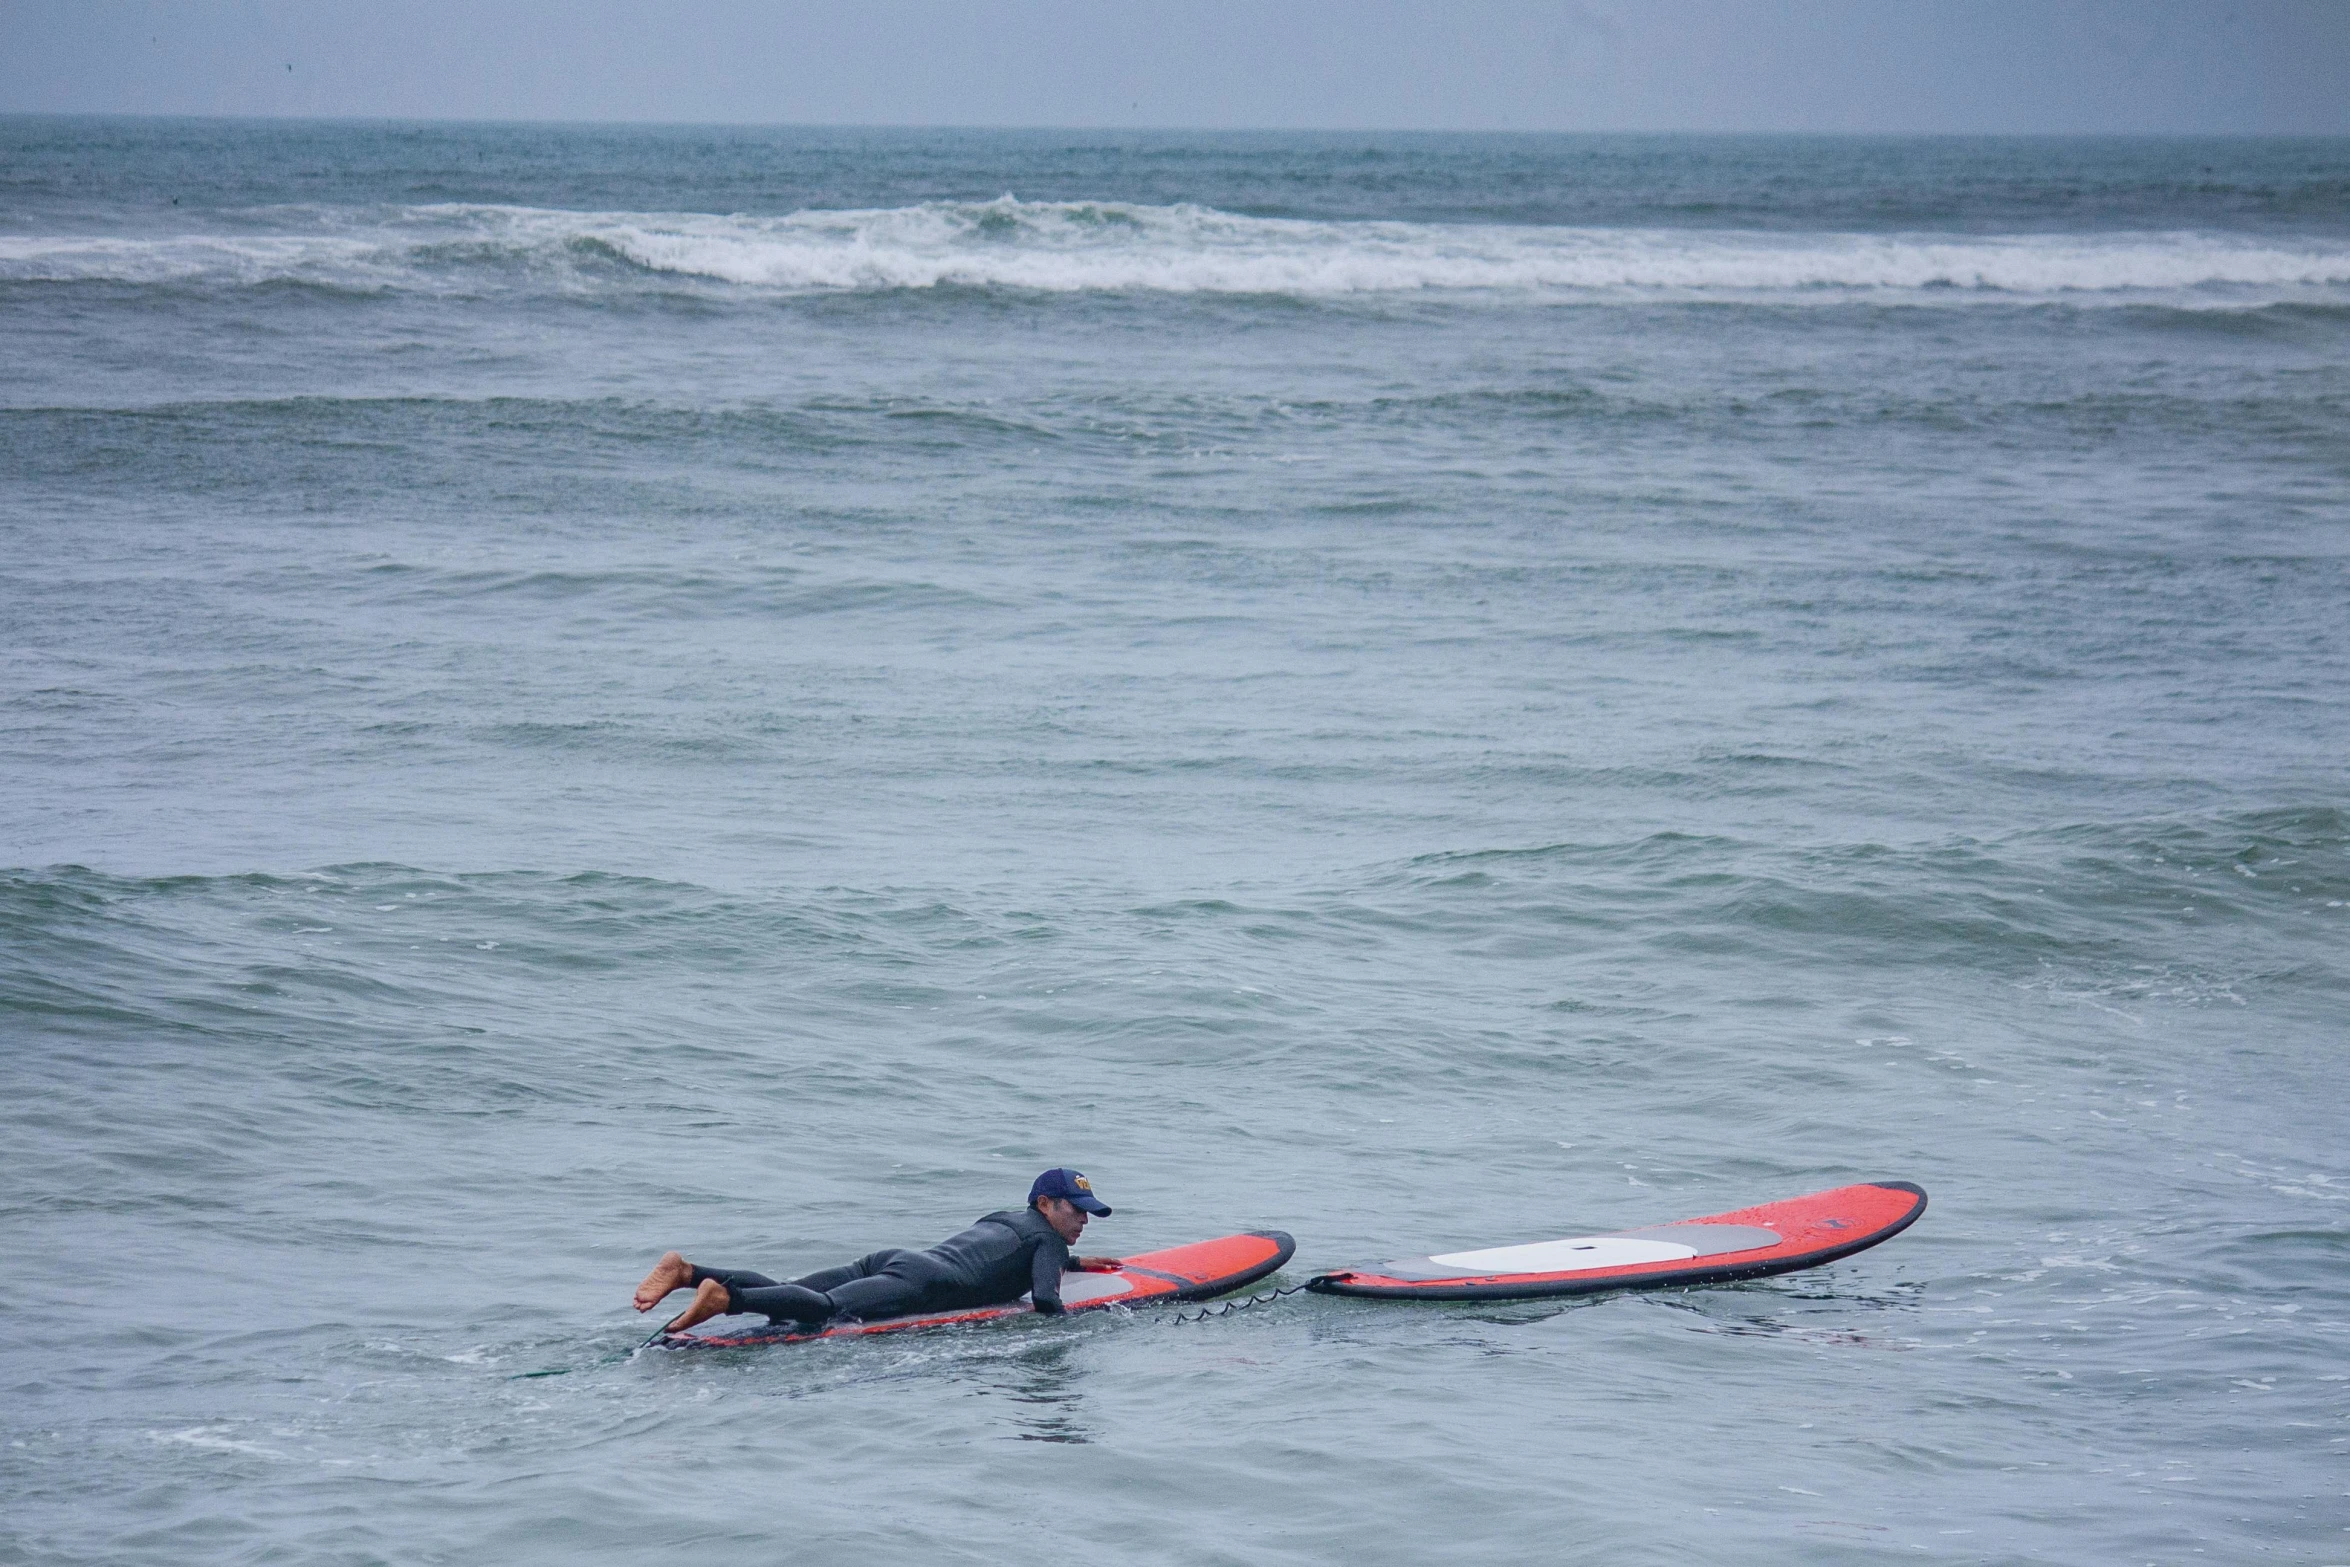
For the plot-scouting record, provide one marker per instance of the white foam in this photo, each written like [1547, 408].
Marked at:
[215, 1440]
[256, 258]
[1066, 247]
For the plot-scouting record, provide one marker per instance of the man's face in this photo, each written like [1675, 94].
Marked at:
[1066, 1218]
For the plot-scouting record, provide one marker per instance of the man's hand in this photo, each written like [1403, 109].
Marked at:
[1098, 1264]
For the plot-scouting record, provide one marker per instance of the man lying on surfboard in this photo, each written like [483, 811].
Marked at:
[993, 1263]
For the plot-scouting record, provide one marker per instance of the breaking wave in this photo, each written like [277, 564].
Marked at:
[1074, 247]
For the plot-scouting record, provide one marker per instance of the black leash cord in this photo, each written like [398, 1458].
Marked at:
[1231, 1306]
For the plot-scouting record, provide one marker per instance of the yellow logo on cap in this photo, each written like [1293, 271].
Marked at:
[1081, 1183]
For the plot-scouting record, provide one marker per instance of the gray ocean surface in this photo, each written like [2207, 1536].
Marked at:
[569, 691]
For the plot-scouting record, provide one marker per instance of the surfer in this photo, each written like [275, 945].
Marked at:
[1002, 1257]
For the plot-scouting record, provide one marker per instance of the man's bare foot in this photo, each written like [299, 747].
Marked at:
[709, 1301]
[672, 1272]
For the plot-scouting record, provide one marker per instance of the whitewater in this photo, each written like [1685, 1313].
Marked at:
[1058, 247]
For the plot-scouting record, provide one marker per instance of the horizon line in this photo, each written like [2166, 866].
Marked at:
[484, 122]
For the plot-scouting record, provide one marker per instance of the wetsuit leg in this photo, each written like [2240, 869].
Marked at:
[906, 1282]
[833, 1278]
[732, 1278]
[889, 1283]
[748, 1291]
[782, 1302]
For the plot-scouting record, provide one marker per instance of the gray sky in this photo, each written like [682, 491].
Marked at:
[1702, 65]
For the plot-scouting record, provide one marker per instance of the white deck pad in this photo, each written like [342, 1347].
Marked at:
[1092, 1286]
[1589, 1253]
[1571, 1255]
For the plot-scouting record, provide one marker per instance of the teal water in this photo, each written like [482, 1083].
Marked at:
[566, 692]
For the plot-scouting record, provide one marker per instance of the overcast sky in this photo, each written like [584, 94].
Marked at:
[1700, 65]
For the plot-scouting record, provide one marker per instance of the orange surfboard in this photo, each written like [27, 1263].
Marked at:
[1194, 1272]
[1748, 1243]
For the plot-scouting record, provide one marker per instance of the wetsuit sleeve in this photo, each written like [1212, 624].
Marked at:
[1044, 1279]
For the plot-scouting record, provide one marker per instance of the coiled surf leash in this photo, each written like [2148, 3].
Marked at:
[1231, 1306]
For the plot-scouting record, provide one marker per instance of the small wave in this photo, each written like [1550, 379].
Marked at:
[249, 260]
[214, 1439]
[1082, 247]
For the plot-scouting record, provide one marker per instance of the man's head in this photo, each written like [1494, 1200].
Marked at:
[1066, 1199]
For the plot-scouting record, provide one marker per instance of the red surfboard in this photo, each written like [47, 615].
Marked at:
[1194, 1272]
[1750, 1243]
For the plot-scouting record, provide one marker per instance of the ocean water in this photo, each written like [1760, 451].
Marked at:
[571, 691]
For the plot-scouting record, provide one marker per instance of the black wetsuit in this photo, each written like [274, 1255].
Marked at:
[993, 1263]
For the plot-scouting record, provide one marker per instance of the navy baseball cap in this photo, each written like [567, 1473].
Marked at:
[1071, 1186]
